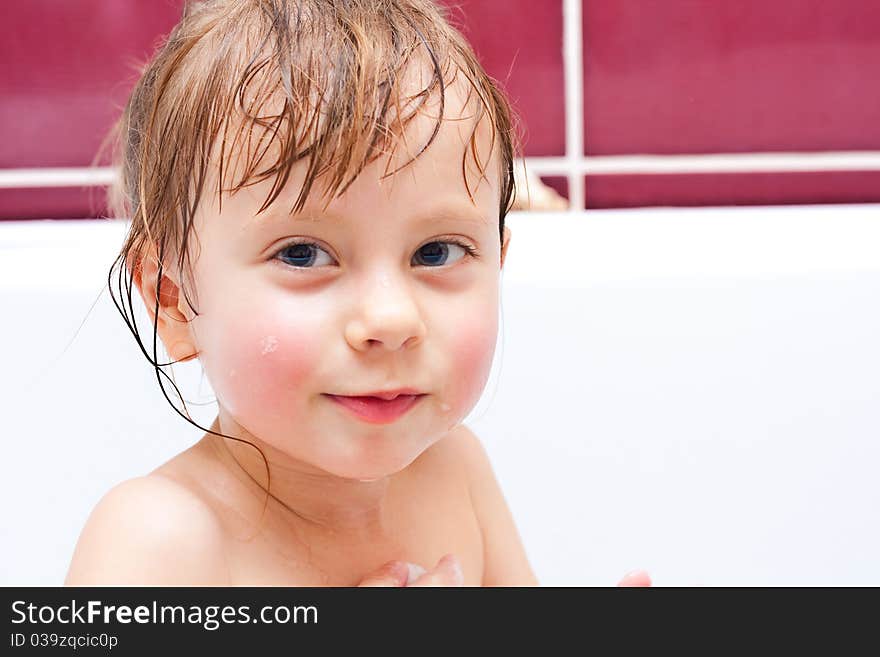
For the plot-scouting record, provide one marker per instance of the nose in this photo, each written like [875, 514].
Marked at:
[387, 316]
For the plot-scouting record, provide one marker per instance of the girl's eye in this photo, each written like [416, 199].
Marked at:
[302, 254]
[434, 254]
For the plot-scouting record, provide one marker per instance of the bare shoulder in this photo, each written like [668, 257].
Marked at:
[463, 445]
[506, 563]
[150, 531]
[465, 450]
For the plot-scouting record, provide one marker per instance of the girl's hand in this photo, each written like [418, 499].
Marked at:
[635, 578]
[447, 572]
[393, 573]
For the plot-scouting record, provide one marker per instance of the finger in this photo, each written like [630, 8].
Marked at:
[635, 578]
[393, 573]
[447, 572]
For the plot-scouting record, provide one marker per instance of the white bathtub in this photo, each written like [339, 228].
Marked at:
[694, 392]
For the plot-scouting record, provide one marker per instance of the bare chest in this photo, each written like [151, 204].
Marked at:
[429, 514]
[421, 530]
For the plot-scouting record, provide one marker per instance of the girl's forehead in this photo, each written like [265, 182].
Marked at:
[430, 213]
[452, 163]
[429, 191]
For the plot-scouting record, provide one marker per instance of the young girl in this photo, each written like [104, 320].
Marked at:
[317, 191]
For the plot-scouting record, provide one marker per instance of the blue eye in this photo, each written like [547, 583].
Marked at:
[437, 253]
[301, 254]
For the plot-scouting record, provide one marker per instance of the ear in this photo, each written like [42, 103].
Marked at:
[505, 243]
[172, 323]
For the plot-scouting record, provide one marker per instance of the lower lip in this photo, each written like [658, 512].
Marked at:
[375, 410]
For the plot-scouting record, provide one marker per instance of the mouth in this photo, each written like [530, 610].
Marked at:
[378, 410]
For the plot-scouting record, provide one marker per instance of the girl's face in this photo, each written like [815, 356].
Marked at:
[394, 285]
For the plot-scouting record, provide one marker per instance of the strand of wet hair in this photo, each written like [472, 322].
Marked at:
[130, 321]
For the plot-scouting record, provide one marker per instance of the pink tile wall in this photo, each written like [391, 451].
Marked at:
[661, 76]
[710, 76]
[705, 76]
[67, 69]
[519, 42]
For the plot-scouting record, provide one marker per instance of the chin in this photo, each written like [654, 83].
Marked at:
[373, 470]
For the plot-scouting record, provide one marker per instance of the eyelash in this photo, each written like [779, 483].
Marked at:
[469, 250]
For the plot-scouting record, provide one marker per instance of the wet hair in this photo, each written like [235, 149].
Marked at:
[242, 90]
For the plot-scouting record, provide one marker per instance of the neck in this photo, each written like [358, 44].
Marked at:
[314, 500]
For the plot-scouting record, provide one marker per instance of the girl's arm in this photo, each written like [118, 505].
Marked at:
[504, 558]
[149, 531]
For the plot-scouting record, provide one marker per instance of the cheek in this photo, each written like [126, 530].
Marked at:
[473, 347]
[259, 367]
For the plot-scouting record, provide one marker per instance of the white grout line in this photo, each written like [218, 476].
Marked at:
[574, 168]
[572, 60]
[707, 163]
[52, 177]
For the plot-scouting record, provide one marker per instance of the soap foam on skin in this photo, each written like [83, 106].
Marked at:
[415, 571]
[269, 344]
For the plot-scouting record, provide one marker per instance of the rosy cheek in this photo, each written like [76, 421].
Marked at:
[473, 348]
[261, 370]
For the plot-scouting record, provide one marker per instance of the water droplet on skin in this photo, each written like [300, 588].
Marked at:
[445, 407]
